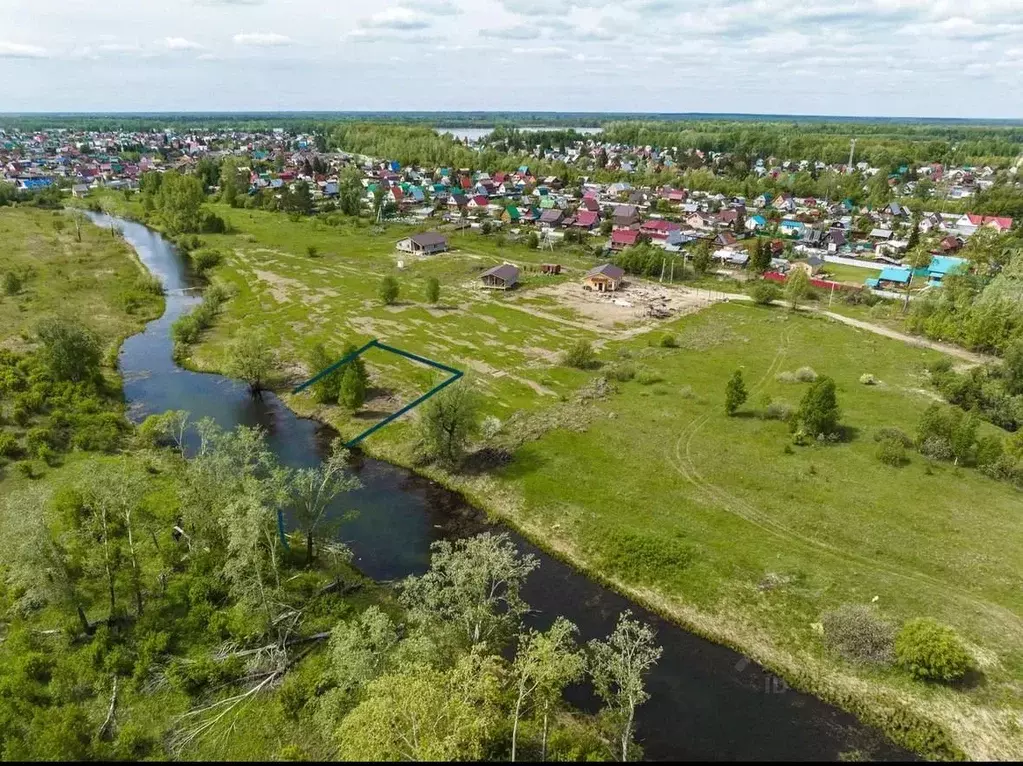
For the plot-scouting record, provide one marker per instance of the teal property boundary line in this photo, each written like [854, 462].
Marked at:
[455, 375]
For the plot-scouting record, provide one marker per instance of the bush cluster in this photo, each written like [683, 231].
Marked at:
[858, 634]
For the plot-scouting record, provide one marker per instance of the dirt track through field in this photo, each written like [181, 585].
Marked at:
[681, 459]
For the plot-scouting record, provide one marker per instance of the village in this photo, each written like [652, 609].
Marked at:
[839, 243]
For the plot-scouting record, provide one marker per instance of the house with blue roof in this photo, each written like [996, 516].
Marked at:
[940, 267]
[891, 276]
[755, 223]
[791, 228]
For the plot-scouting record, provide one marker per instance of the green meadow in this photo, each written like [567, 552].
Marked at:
[718, 522]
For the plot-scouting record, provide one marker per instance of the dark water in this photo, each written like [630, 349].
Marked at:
[707, 702]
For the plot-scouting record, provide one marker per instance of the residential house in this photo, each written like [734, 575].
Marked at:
[789, 228]
[891, 277]
[725, 239]
[503, 277]
[625, 216]
[623, 238]
[814, 238]
[511, 214]
[970, 222]
[552, 217]
[658, 228]
[943, 265]
[586, 219]
[604, 279]
[881, 234]
[426, 243]
[700, 221]
[950, 244]
[755, 223]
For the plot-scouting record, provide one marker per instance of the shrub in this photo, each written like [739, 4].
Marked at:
[931, 652]
[9, 445]
[648, 377]
[70, 350]
[858, 634]
[806, 375]
[892, 452]
[669, 341]
[432, 290]
[687, 392]
[12, 283]
[735, 393]
[621, 372]
[763, 292]
[205, 259]
[818, 411]
[580, 355]
[786, 377]
[867, 379]
[312, 251]
[937, 448]
[896, 434]
[389, 290]
[778, 411]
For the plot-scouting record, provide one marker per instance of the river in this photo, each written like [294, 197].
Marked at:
[707, 702]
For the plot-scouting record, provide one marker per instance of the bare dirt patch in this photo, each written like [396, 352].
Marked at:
[633, 309]
[279, 286]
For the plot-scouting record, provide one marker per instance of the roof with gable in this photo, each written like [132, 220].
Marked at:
[624, 236]
[608, 270]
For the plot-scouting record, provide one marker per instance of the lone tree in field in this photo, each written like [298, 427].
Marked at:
[432, 290]
[797, 287]
[352, 392]
[735, 393]
[252, 360]
[70, 350]
[818, 411]
[447, 422]
[618, 666]
[389, 290]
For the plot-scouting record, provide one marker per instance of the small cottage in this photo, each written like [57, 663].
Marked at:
[503, 277]
[427, 243]
[604, 279]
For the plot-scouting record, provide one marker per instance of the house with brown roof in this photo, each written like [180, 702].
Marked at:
[427, 243]
[503, 277]
[604, 279]
[625, 216]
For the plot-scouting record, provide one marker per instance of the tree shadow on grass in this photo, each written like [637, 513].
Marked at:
[522, 463]
[372, 414]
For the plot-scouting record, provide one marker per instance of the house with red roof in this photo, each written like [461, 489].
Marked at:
[659, 228]
[969, 223]
[586, 219]
[478, 202]
[623, 238]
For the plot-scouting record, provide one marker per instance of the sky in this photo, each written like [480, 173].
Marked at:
[913, 58]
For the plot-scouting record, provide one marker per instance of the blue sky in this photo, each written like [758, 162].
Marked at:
[950, 58]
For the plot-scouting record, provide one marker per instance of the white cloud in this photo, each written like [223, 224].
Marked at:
[434, 7]
[398, 17]
[9, 50]
[179, 44]
[512, 33]
[262, 39]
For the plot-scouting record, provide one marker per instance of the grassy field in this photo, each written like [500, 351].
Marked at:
[710, 519]
[92, 280]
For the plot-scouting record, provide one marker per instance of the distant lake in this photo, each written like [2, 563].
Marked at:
[474, 134]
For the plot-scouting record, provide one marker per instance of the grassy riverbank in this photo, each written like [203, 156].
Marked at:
[708, 519]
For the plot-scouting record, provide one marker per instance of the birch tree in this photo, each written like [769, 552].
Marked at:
[474, 585]
[313, 489]
[544, 665]
[617, 666]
